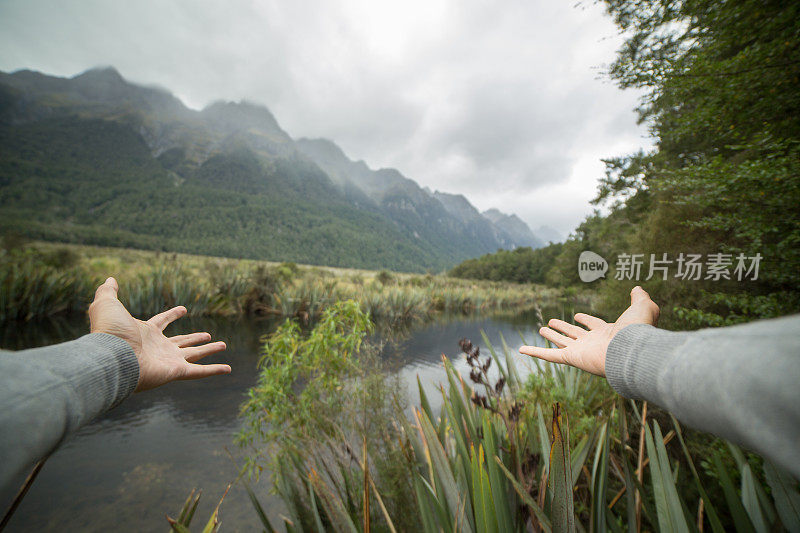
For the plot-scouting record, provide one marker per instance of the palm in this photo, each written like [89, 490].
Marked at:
[161, 359]
[586, 349]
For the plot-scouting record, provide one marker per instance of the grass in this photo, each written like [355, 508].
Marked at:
[500, 455]
[41, 279]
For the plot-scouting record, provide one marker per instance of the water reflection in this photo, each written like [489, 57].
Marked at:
[126, 469]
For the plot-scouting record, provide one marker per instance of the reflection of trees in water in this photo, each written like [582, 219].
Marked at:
[211, 403]
[18, 335]
[425, 343]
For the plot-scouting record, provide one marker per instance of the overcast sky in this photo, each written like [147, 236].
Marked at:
[500, 101]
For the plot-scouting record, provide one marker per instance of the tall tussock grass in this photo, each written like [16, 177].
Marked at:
[164, 287]
[45, 279]
[30, 288]
[501, 449]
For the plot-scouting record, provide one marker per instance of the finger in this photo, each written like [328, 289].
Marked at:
[638, 294]
[108, 289]
[589, 321]
[191, 339]
[570, 330]
[555, 337]
[198, 352]
[553, 355]
[641, 300]
[162, 320]
[204, 371]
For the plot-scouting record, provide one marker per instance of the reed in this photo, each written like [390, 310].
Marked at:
[45, 279]
[31, 289]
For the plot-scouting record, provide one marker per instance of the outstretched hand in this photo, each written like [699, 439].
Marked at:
[587, 349]
[161, 359]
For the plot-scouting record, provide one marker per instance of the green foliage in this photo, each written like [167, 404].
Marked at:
[301, 374]
[487, 461]
[320, 403]
[724, 176]
[721, 84]
[579, 393]
[384, 278]
[522, 265]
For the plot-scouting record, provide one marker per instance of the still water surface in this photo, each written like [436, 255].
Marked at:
[125, 470]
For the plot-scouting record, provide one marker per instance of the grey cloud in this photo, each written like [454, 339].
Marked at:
[498, 102]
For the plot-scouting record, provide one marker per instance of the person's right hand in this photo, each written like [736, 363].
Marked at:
[161, 359]
[587, 349]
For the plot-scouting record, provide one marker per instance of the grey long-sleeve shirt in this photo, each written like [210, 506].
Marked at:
[741, 382]
[46, 394]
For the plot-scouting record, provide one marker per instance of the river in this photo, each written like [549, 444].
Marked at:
[128, 468]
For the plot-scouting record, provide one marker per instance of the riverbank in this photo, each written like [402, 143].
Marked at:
[44, 279]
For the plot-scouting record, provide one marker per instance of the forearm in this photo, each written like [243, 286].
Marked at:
[741, 383]
[49, 393]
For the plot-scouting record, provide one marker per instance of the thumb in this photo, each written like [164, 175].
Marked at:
[107, 290]
[638, 294]
[643, 309]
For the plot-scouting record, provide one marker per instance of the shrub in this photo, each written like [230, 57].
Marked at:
[385, 277]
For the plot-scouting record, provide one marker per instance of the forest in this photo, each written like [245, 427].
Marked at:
[721, 86]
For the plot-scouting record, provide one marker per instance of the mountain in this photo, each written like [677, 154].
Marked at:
[448, 220]
[518, 232]
[96, 159]
[548, 234]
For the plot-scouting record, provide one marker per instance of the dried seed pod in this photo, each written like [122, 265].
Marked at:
[475, 375]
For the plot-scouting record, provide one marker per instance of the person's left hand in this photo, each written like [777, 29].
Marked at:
[161, 359]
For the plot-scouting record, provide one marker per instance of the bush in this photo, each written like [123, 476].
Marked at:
[384, 277]
[319, 398]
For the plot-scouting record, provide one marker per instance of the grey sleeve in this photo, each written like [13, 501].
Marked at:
[48, 393]
[741, 382]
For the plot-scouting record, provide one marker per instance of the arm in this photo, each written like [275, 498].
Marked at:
[740, 383]
[49, 393]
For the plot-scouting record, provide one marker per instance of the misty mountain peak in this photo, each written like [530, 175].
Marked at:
[105, 74]
[495, 214]
[513, 226]
[323, 148]
[243, 115]
[457, 205]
